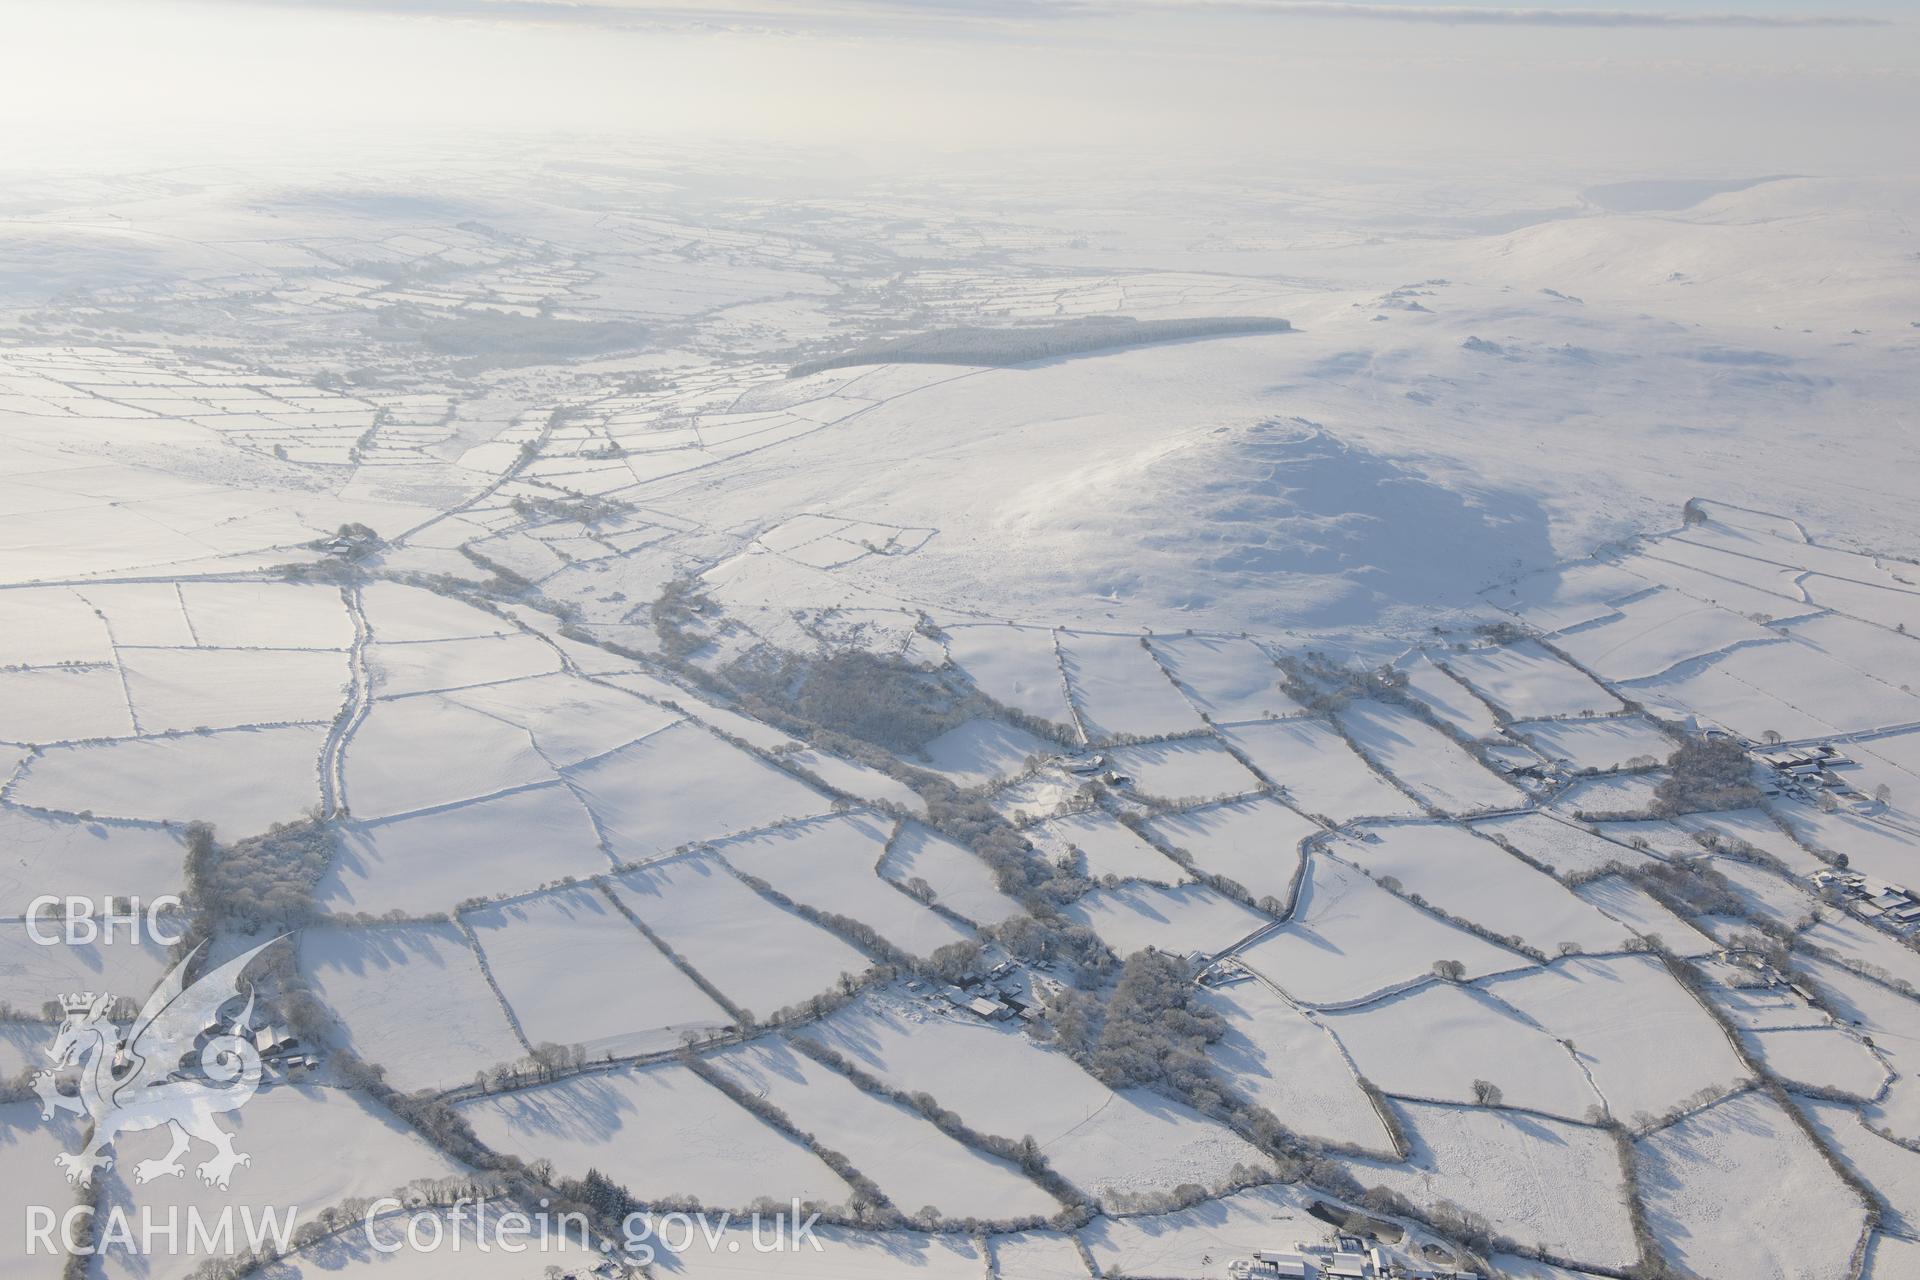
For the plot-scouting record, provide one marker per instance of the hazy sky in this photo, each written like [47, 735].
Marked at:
[1672, 86]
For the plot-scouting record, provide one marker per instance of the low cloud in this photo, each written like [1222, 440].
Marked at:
[1458, 15]
[842, 14]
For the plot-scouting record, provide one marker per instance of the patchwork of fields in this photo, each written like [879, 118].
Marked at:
[664, 812]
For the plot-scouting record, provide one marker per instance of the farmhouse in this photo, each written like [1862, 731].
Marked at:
[270, 1040]
[1891, 906]
[1753, 961]
[1349, 1257]
[989, 1010]
[1848, 884]
[1224, 973]
[1263, 1265]
[983, 1002]
[1535, 771]
[1805, 771]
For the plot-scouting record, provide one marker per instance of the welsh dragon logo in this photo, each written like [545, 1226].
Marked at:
[144, 1081]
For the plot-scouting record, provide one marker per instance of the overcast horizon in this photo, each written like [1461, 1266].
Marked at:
[1762, 86]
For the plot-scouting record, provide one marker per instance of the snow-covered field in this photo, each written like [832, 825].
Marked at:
[279, 1131]
[682, 784]
[1255, 843]
[1717, 1181]
[1473, 879]
[1639, 910]
[413, 999]
[1184, 919]
[30, 1148]
[1290, 1064]
[662, 1132]
[832, 866]
[604, 695]
[760, 954]
[1822, 1058]
[914, 1163]
[1017, 665]
[1448, 697]
[1611, 796]
[1038, 1255]
[1318, 772]
[240, 780]
[1226, 680]
[1183, 771]
[1611, 1010]
[1551, 1184]
[1426, 762]
[48, 854]
[854, 1255]
[1527, 682]
[1891, 1255]
[1349, 939]
[1465, 1037]
[417, 754]
[1886, 1015]
[1569, 848]
[1890, 1169]
[574, 970]
[1598, 744]
[1099, 1139]
[508, 844]
[30, 966]
[1119, 688]
[956, 879]
[983, 751]
[1108, 848]
[1653, 632]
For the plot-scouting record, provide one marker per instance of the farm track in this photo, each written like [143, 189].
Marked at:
[333, 753]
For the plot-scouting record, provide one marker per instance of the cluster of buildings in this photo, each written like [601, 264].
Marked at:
[1094, 766]
[1891, 906]
[1757, 965]
[1002, 994]
[281, 1054]
[1224, 972]
[1535, 773]
[1806, 772]
[1347, 1258]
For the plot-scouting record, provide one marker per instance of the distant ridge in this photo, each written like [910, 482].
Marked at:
[1003, 347]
